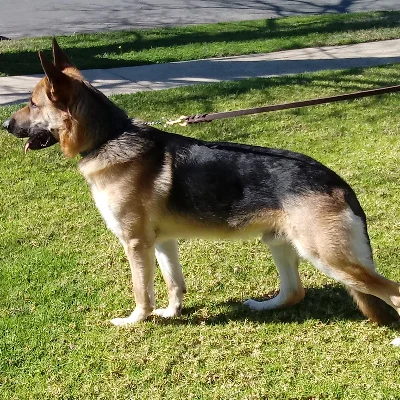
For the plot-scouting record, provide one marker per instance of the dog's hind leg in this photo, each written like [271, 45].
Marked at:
[335, 240]
[291, 289]
[168, 260]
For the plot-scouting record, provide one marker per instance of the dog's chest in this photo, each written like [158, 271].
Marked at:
[107, 211]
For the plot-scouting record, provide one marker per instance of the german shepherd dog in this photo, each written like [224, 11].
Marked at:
[153, 187]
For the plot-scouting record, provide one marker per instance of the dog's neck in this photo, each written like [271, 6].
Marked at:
[103, 120]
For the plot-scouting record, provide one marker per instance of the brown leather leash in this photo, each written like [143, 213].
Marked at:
[195, 119]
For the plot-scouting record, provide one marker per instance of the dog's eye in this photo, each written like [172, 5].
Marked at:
[33, 105]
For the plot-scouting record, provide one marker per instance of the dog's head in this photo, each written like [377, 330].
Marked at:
[44, 119]
[63, 108]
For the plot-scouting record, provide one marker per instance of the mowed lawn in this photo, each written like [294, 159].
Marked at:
[63, 276]
[160, 45]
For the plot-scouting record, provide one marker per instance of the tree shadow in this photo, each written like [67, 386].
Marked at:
[26, 62]
[121, 15]
[157, 77]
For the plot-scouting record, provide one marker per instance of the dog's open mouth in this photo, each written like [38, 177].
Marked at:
[40, 140]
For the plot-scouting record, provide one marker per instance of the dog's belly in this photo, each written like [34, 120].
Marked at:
[181, 227]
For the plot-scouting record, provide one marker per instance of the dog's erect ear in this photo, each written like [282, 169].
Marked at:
[57, 79]
[52, 72]
[60, 59]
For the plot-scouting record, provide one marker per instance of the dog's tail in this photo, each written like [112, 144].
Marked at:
[374, 308]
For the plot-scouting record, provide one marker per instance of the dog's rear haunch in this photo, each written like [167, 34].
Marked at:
[153, 187]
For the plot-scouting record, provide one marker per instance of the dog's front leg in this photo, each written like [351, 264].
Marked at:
[140, 253]
[168, 260]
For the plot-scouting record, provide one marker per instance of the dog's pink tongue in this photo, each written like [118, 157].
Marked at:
[26, 147]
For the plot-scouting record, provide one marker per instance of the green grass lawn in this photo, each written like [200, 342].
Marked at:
[127, 48]
[63, 276]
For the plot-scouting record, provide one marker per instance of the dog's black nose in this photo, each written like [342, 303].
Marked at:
[6, 124]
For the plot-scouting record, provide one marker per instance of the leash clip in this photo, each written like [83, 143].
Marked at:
[182, 121]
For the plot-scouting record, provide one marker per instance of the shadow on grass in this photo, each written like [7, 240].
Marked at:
[327, 304]
[26, 62]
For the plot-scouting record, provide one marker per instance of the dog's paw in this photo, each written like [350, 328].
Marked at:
[135, 317]
[121, 321]
[395, 342]
[168, 312]
[253, 304]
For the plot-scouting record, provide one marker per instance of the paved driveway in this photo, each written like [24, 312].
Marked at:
[22, 18]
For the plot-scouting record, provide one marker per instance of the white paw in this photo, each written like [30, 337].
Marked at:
[253, 304]
[136, 316]
[395, 342]
[168, 312]
[121, 321]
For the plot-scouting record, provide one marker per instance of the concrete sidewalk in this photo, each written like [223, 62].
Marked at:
[16, 89]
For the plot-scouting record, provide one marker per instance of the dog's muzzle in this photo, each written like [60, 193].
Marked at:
[38, 138]
[14, 129]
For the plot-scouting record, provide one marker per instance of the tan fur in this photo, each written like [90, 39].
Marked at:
[317, 220]
[72, 135]
[22, 115]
